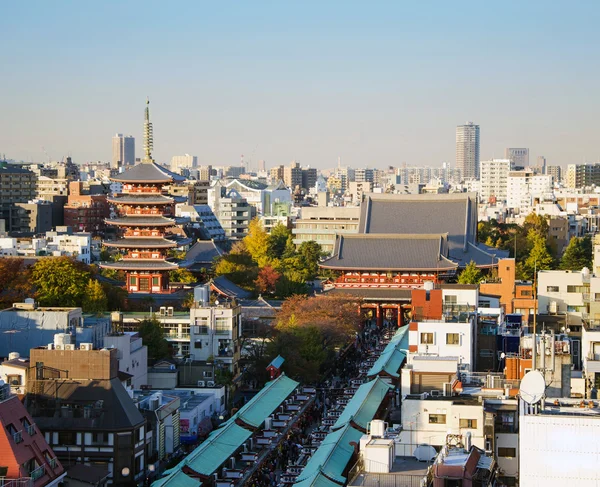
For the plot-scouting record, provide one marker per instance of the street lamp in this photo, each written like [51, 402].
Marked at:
[149, 473]
[125, 471]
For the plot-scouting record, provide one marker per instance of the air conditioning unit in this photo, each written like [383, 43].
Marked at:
[69, 346]
[163, 311]
[201, 383]
[436, 393]
[170, 311]
[210, 383]
[86, 346]
[59, 346]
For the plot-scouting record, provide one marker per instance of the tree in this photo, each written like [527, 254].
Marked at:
[15, 279]
[539, 257]
[182, 275]
[257, 243]
[267, 280]
[94, 299]
[60, 281]
[237, 266]
[470, 275]
[277, 241]
[152, 336]
[311, 253]
[577, 255]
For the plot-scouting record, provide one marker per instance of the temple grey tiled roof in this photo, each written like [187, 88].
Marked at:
[141, 199]
[148, 173]
[142, 221]
[202, 252]
[140, 265]
[141, 243]
[389, 252]
[225, 286]
[452, 214]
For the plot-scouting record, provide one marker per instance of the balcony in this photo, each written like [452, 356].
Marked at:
[53, 462]
[38, 473]
[22, 482]
[31, 429]
[18, 437]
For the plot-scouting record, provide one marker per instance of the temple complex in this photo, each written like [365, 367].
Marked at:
[144, 217]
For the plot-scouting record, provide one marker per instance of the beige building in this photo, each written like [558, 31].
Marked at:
[321, 224]
[292, 175]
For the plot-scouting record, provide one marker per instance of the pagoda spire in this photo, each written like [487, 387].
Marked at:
[148, 137]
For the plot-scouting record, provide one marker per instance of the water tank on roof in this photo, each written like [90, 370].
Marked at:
[585, 272]
[62, 339]
[14, 355]
[202, 294]
[428, 285]
[378, 428]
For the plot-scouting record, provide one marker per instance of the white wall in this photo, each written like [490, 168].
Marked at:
[510, 466]
[440, 329]
[559, 451]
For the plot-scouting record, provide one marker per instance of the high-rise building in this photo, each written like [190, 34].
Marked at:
[363, 175]
[17, 185]
[494, 179]
[467, 150]
[276, 173]
[555, 172]
[309, 178]
[582, 175]
[123, 151]
[292, 175]
[519, 156]
[541, 164]
[183, 162]
[261, 166]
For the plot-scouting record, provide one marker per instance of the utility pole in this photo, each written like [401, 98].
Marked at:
[534, 349]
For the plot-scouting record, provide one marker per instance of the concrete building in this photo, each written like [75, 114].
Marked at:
[202, 218]
[558, 444]
[232, 210]
[494, 179]
[541, 165]
[132, 356]
[518, 156]
[123, 151]
[277, 173]
[84, 211]
[309, 178]
[178, 163]
[357, 190]
[26, 326]
[321, 224]
[14, 373]
[364, 175]
[85, 413]
[561, 292]
[33, 217]
[467, 150]
[582, 175]
[197, 408]
[555, 172]
[262, 197]
[525, 187]
[17, 185]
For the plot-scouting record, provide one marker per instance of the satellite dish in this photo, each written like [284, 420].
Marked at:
[533, 387]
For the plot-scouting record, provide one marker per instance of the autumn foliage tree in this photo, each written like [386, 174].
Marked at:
[60, 281]
[15, 281]
[94, 299]
[267, 279]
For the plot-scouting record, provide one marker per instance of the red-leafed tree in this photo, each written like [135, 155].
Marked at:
[15, 283]
[267, 280]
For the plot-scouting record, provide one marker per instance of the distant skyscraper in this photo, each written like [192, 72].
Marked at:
[519, 156]
[123, 151]
[467, 150]
[541, 164]
[261, 166]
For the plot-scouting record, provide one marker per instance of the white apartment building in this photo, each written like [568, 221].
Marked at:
[202, 216]
[77, 245]
[132, 355]
[565, 292]
[183, 162]
[494, 179]
[524, 186]
[231, 209]
[214, 331]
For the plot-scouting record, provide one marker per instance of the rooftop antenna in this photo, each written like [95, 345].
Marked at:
[148, 135]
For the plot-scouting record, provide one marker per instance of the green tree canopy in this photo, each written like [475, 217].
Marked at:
[577, 255]
[60, 281]
[152, 336]
[470, 275]
[539, 257]
[94, 299]
[277, 241]
[311, 253]
[182, 275]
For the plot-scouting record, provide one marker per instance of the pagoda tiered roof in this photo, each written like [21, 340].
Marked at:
[142, 243]
[141, 265]
[141, 199]
[142, 221]
[148, 172]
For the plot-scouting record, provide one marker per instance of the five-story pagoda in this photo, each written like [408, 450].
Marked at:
[144, 217]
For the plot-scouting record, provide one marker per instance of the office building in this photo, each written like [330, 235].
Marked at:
[292, 175]
[17, 185]
[582, 175]
[555, 172]
[183, 162]
[309, 178]
[123, 151]
[518, 156]
[363, 175]
[276, 173]
[541, 165]
[322, 223]
[494, 179]
[467, 150]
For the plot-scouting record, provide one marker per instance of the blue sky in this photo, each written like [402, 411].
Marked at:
[377, 83]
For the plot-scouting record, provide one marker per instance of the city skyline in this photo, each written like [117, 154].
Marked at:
[377, 85]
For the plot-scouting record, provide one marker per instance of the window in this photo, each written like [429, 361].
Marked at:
[450, 299]
[222, 326]
[437, 418]
[452, 339]
[525, 293]
[551, 289]
[577, 289]
[98, 438]
[468, 423]
[132, 281]
[427, 338]
[507, 452]
[155, 281]
[198, 344]
[66, 438]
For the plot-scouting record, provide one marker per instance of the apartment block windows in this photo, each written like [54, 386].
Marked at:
[507, 452]
[222, 326]
[452, 339]
[437, 419]
[427, 338]
[551, 289]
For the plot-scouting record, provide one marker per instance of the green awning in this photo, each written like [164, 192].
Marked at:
[317, 480]
[364, 404]
[177, 479]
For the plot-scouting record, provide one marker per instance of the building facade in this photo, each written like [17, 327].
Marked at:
[467, 150]
[123, 151]
[494, 180]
